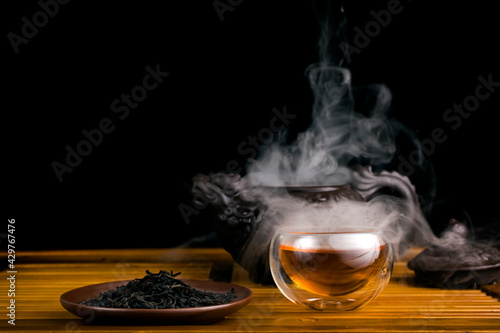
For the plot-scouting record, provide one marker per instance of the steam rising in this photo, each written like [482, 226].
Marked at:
[401, 224]
[337, 136]
[348, 125]
[340, 132]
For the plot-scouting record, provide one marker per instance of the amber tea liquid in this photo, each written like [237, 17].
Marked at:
[332, 272]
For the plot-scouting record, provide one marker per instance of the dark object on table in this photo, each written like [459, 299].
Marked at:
[457, 263]
[239, 209]
[158, 291]
[72, 301]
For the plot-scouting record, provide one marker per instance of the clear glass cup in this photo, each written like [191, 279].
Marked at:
[331, 271]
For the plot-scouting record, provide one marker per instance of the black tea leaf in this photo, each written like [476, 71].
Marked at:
[158, 291]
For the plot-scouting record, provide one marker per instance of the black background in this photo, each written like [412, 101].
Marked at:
[226, 76]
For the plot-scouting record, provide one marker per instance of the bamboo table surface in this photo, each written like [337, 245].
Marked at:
[402, 307]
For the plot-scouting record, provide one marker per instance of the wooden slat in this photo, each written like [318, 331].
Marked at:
[402, 307]
[125, 255]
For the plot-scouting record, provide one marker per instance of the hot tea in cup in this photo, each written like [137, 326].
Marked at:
[331, 270]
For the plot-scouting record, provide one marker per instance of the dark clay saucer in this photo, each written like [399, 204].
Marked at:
[196, 315]
[457, 263]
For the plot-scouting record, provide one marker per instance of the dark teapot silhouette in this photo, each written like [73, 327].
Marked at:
[238, 213]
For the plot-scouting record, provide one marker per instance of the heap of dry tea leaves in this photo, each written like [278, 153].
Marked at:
[158, 291]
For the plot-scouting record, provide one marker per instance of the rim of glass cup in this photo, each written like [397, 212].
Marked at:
[329, 230]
